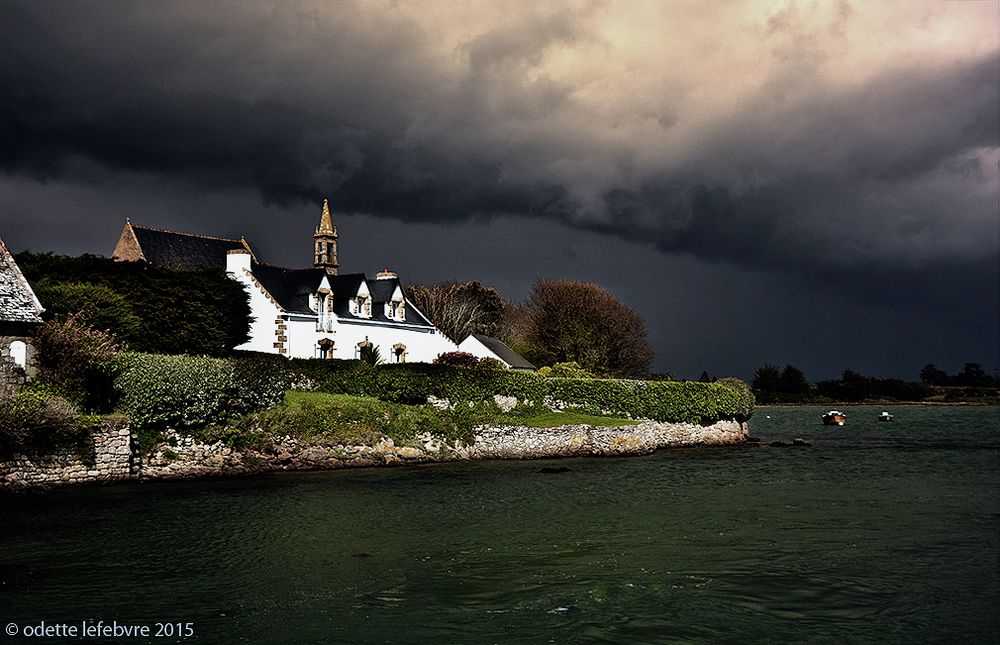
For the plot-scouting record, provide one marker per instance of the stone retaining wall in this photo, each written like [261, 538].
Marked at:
[110, 458]
[181, 457]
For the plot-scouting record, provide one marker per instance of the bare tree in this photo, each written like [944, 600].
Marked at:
[459, 309]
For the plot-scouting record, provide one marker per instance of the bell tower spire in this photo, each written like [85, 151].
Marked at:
[325, 242]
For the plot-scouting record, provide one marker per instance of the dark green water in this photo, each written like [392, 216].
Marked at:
[876, 533]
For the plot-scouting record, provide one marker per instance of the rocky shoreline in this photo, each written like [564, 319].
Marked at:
[182, 457]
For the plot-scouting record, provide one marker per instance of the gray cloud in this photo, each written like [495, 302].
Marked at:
[801, 141]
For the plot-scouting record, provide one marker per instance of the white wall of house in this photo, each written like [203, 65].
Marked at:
[423, 344]
[473, 346]
[262, 308]
[302, 333]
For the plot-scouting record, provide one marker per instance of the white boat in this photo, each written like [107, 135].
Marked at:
[885, 416]
[834, 418]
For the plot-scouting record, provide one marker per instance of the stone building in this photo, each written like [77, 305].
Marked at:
[20, 315]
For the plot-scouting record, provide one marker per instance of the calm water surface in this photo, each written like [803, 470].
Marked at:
[876, 533]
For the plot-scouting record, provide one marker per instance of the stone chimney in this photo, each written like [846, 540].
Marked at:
[386, 274]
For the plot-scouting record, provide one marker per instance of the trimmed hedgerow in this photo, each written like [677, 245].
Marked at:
[686, 402]
[187, 392]
[414, 382]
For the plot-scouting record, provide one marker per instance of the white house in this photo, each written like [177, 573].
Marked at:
[302, 313]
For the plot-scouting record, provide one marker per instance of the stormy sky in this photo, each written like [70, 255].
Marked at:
[812, 183]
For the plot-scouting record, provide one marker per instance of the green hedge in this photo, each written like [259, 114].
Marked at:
[185, 392]
[687, 402]
[412, 383]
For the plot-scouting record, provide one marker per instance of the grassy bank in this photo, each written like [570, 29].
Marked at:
[320, 417]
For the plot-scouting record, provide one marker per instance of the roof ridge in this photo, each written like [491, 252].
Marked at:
[206, 237]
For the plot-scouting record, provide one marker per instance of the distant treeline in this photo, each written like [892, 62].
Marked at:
[772, 384]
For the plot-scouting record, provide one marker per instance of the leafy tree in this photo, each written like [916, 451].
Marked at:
[568, 321]
[705, 377]
[793, 381]
[459, 309]
[96, 304]
[932, 375]
[202, 312]
[767, 378]
[973, 375]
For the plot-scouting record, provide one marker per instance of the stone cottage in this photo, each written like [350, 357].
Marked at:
[20, 315]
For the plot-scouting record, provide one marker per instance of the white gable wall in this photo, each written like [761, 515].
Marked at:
[473, 346]
[263, 310]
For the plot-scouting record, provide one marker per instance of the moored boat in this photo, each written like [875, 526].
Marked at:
[834, 418]
[885, 416]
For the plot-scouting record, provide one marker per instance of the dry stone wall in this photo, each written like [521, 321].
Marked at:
[111, 458]
[181, 457]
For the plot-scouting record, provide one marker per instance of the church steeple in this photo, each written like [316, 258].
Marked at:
[325, 242]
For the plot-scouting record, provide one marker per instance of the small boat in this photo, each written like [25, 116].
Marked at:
[834, 418]
[885, 416]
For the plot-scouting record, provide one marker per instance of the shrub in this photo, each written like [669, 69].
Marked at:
[70, 355]
[490, 363]
[414, 382]
[459, 359]
[571, 369]
[188, 392]
[36, 420]
[658, 400]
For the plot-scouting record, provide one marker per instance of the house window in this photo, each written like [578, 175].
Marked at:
[363, 306]
[363, 344]
[19, 353]
[324, 348]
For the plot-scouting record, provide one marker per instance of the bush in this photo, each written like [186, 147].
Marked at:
[414, 382]
[571, 369]
[189, 392]
[490, 363]
[667, 401]
[35, 420]
[71, 353]
[459, 359]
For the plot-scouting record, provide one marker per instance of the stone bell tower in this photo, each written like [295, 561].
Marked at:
[325, 242]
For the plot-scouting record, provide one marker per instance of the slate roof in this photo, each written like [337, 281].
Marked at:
[506, 354]
[291, 288]
[184, 251]
[17, 301]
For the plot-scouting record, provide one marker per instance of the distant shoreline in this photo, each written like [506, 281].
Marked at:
[881, 404]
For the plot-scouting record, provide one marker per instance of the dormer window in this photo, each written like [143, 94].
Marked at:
[363, 306]
[395, 310]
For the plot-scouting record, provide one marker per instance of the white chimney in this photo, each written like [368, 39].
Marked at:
[237, 261]
[386, 274]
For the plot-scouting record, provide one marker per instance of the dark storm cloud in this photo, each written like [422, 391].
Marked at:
[874, 185]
